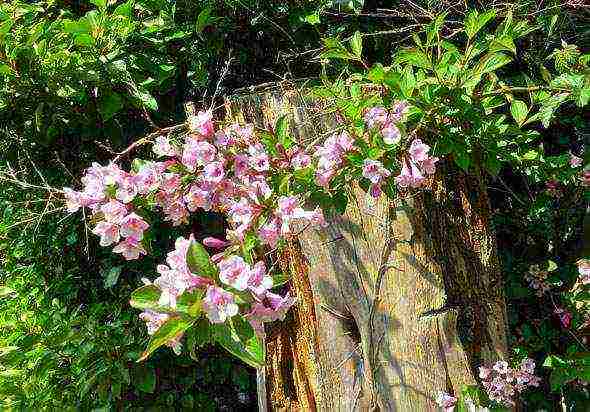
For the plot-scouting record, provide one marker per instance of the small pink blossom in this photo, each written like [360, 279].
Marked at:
[113, 211]
[269, 233]
[130, 248]
[418, 150]
[73, 200]
[503, 383]
[446, 401]
[258, 158]
[374, 171]
[108, 232]
[215, 243]
[202, 123]
[410, 176]
[391, 134]
[162, 147]
[575, 161]
[300, 160]
[198, 198]
[214, 172]
[375, 116]
[219, 304]
[259, 281]
[127, 188]
[147, 178]
[584, 270]
[133, 225]
[234, 272]
[241, 165]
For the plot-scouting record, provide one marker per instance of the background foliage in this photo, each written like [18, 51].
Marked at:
[80, 80]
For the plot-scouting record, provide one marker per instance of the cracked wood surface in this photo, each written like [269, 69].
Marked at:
[397, 300]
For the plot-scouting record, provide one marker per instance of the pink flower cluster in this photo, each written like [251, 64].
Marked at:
[446, 402]
[419, 165]
[228, 171]
[503, 383]
[108, 192]
[385, 121]
[584, 270]
[374, 171]
[330, 157]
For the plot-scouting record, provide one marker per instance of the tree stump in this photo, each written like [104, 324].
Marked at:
[396, 300]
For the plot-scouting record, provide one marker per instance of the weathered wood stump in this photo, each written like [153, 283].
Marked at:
[397, 300]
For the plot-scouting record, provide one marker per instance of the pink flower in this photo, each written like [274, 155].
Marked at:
[501, 366]
[259, 282]
[374, 171]
[324, 176]
[429, 165]
[162, 147]
[215, 243]
[113, 211]
[269, 233]
[446, 401]
[219, 304]
[391, 134]
[564, 316]
[375, 116]
[418, 150]
[300, 160]
[214, 172]
[375, 191]
[108, 232]
[205, 152]
[398, 110]
[241, 213]
[584, 270]
[197, 153]
[172, 283]
[130, 248]
[147, 178]
[241, 165]
[133, 225]
[575, 161]
[258, 158]
[279, 304]
[234, 272]
[202, 123]
[127, 189]
[73, 199]
[198, 198]
[410, 176]
[273, 307]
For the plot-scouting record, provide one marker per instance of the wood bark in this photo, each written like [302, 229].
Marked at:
[396, 299]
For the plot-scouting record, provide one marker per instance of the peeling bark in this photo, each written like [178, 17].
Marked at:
[396, 300]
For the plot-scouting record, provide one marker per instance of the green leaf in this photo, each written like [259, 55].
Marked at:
[171, 329]
[125, 9]
[462, 159]
[414, 57]
[519, 111]
[199, 262]
[356, 44]
[112, 276]
[503, 43]
[144, 378]
[199, 335]
[101, 4]
[282, 131]
[144, 98]
[84, 40]
[280, 279]
[109, 105]
[145, 297]
[475, 22]
[492, 62]
[239, 339]
[6, 291]
[204, 19]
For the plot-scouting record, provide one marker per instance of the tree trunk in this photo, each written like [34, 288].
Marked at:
[396, 300]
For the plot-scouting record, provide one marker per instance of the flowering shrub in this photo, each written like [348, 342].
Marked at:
[260, 181]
